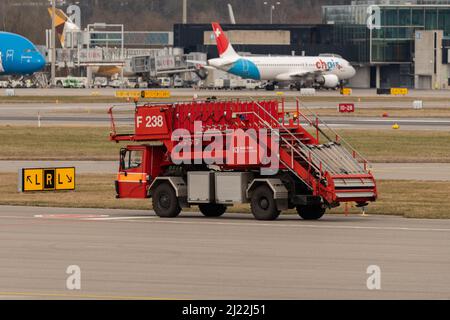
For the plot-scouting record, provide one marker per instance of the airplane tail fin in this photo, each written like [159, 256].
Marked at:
[63, 24]
[223, 44]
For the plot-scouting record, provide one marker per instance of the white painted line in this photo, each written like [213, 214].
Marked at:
[402, 120]
[276, 224]
[70, 216]
[117, 218]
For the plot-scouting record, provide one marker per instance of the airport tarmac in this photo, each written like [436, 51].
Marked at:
[229, 93]
[383, 171]
[21, 117]
[126, 254]
[95, 114]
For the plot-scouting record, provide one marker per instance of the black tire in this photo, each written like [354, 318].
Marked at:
[263, 204]
[314, 212]
[165, 202]
[212, 209]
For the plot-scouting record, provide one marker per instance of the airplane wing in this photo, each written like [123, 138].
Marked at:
[200, 64]
[218, 64]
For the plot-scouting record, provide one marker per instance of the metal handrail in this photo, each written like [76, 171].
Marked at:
[290, 145]
[341, 139]
[290, 133]
[110, 111]
[113, 123]
[311, 123]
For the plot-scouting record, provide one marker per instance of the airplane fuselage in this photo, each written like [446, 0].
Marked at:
[284, 68]
[18, 56]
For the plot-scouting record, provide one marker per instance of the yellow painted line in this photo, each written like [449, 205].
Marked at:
[83, 296]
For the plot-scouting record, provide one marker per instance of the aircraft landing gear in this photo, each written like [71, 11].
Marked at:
[270, 86]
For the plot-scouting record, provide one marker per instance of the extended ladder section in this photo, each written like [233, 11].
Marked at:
[333, 169]
[334, 157]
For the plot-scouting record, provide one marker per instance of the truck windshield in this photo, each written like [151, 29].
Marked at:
[132, 159]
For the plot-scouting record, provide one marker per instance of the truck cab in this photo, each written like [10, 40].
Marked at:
[139, 165]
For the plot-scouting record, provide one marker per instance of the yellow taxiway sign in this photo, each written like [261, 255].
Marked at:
[46, 179]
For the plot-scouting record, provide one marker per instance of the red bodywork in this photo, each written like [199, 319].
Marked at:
[133, 181]
[157, 123]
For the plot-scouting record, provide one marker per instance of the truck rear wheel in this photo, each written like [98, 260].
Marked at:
[314, 212]
[263, 204]
[165, 202]
[212, 209]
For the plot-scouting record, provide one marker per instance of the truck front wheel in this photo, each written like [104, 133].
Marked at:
[165, 202]
[263, 204]
[212, 209]
[312, 212]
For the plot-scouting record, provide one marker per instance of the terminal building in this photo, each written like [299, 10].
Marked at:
[410, 45]
[407, 44]
[108, 51]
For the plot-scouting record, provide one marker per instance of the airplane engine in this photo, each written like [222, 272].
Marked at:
[328, 80]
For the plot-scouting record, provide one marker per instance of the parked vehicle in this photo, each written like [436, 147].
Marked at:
[222, 84]
[165, 82]
[4, 84]
[178, 83]
[71, 82]
[118, 83]
[100, 82]
[237, 84]
[253, 84]
[137, 83]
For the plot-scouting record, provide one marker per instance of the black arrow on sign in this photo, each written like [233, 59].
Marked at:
[69, 178]
[29, 179]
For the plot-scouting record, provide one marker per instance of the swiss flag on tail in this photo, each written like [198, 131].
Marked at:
[223, 45]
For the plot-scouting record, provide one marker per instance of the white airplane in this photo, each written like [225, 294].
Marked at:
[328, 71]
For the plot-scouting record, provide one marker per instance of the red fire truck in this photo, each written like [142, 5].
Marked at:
[214, 154]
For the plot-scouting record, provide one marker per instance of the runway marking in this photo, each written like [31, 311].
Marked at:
[276, 224]
[155, 219]
[400, 120]
[115, 218]
[82, 296]
[69, 216]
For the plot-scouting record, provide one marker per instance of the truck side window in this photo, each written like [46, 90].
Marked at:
[133, 159]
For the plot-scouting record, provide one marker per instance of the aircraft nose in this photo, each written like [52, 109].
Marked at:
[352, 71]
